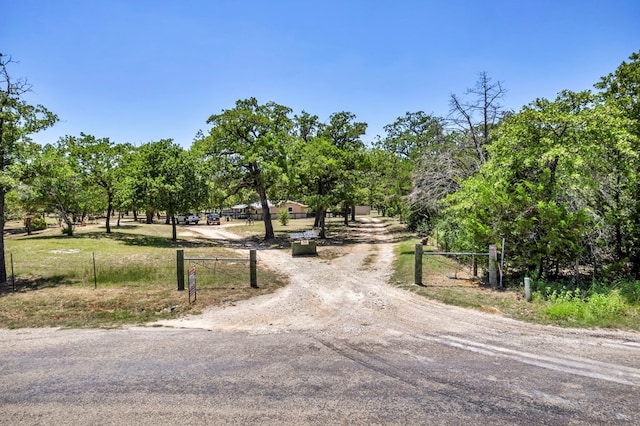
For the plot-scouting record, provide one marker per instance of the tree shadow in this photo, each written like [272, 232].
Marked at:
[133, 239]
[34, 284]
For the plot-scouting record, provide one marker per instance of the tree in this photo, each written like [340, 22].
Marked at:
[416, 140]
[57, 185]
[620, 184]
[250, 144]
[540, 186]
[475, 119]
[161, 176]
[18, 120]
[458, 152]
[344, 133]
[412, 135]
[319, 168]
[100, 161]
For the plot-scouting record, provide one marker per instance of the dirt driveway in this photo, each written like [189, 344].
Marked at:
[343, 293]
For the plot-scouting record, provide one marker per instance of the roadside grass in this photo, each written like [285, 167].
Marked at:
[135, 280]
[563, 310]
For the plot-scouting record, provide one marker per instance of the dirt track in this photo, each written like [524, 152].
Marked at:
[344, 294]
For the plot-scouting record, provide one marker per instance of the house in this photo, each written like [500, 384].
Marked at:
[363, 210]
[295, 209]
[242, 211]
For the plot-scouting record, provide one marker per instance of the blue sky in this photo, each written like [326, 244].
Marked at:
[143, 70]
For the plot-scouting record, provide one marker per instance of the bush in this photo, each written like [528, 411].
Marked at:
[38, 224]
[284, 217]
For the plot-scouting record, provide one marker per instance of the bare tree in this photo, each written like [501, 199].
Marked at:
[475, 118]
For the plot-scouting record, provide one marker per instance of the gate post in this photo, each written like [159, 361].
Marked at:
[180, 269]
[418, 265]
[474, 259]
[253, 273]
[493, 258]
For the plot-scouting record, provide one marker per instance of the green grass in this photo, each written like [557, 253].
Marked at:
[135, 280]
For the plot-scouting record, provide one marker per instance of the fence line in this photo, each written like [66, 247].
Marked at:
[492, 253]
[252, 259]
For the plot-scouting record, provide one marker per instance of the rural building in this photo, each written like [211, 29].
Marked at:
[242, 211]
[363, 210]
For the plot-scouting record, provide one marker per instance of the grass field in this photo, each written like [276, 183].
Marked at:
[134, 281]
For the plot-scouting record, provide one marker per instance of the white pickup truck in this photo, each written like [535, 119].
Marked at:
[188, 218]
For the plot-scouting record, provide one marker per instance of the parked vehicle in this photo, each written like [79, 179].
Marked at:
[188, 218]
[213, 219]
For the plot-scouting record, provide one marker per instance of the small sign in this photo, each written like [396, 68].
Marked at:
[192, 283]
[304, 235]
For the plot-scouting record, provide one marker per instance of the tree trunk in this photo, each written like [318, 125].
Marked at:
[135, 215]
[149, 215]
[266, 215]
[345, 214]
[69, 224]
[353, 213]
[540, 269]
[320, 215]
[174, 232]
[3, 269]
[109, 211]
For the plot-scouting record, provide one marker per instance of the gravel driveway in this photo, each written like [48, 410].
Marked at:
[336, 346]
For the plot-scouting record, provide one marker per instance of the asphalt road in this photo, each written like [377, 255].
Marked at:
[178, 376]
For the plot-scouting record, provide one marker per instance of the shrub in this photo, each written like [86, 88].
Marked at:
[284, 217]
[38, 224]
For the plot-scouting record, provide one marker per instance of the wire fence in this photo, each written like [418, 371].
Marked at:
[88, 269]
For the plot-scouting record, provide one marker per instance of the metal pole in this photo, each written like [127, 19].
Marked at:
[418, 265]
[527, 289]
[95, 276]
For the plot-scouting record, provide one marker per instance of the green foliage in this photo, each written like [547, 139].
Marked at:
[284, 217]
[597, 304]
[38, 224]
[248, 147]
[596, 308]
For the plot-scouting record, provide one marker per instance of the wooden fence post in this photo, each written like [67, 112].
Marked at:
[493, 259]
[180, 269]
[474, 260]
[253, 273]
[418, 265]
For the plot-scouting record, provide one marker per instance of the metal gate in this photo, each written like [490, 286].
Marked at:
[181, 259]
[492, 254]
